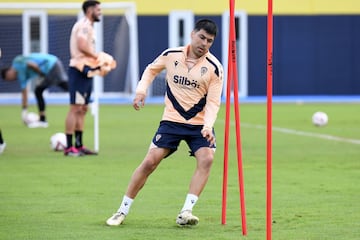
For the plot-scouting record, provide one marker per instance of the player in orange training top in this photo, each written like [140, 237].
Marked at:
[82, 49]
[194, 80]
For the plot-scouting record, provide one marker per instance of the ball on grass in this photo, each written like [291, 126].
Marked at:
[320, 119]
[58, 142]
[31, 117]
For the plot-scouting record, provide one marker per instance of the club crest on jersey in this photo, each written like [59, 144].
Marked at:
[185, 81]
[203, 71]
[157, 137]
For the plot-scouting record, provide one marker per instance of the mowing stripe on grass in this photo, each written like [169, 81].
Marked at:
[302, 133]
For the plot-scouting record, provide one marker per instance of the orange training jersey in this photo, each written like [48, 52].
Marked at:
[193, 95]
[81, 29]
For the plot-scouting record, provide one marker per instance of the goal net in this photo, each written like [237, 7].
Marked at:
[46, 27]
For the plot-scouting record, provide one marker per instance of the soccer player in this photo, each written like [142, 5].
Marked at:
[82, 50]
[2, 143]
[46, 70]
[194, 80]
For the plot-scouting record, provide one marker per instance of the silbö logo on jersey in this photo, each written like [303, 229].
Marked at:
[185, 81]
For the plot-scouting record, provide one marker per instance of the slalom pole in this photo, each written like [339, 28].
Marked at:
[226, 138]
[95, 111]
[269, 120]
[237, 117]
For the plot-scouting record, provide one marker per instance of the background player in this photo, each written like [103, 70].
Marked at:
[2, 143]
[46, 70]
[82, 50]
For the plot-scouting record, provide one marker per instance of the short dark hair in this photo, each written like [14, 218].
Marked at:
[4, 71]
[89, 3]
[206, 24]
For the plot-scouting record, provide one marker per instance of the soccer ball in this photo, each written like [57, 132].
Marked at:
[320, 119]
[58, 142]
[31, 117]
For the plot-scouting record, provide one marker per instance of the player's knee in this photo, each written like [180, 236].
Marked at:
[76, 109]
[205, 160]
[38, 91]
[149, 164]
[84, 109]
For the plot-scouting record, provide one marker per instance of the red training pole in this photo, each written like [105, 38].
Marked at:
[226, 138]
[237, 117]
[226, 151]
[232, 78]
[269, 119]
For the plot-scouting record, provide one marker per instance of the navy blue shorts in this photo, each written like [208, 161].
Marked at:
[170, 134]
[80, 87]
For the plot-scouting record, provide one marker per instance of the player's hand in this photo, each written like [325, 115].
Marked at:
[139, 101]
[208, 134]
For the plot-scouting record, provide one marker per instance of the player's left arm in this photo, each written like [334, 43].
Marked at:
[33, 66]
[212, 107]
[213, 102]
[213, 99]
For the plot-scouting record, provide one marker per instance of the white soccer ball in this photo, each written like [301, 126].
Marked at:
[58, 142]
[31, 117]
[320, 119]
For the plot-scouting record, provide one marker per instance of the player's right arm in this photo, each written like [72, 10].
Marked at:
[20, 66]
[24, 103]
[148, 76]
[84, 41]
[24, 98]
[139, 101]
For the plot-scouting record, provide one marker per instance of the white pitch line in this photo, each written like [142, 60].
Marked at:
[302, 133]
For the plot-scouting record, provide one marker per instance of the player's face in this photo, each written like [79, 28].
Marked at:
[10, 75]
[96, 13]
[201, 42]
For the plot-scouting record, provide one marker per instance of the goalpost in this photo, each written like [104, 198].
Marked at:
[45, 27]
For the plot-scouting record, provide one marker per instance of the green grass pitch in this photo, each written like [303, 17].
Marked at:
[316, 177]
